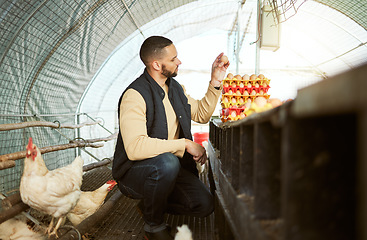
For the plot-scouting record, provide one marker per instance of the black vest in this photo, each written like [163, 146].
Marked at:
[153, 96]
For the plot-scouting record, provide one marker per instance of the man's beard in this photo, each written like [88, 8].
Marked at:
[167, 73]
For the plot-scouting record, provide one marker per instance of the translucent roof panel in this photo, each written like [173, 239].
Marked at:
[317, 42]
[325, 38]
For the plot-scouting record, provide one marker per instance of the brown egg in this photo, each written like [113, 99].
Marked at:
[246, 77]
[242, 115]
[275, 102]
[245, 93]
[238, 77]
[224, 59]
[242, 85]
[225, 99]
[288, 100]
[230, 92]
[234, 84]
[253, 93]
[225, 84]
[261, 76]
[241, 100]
[230, 75]
[249, 100]
[234, 114]
[264, 84]
[261, 92]
[260, 101]
[257, 85]
[249, 85]
[238, 92]
[234, 100]
[253, 77]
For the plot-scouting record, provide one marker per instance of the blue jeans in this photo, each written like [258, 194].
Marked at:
[166, 187]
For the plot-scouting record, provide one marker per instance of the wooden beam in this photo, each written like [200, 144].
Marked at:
[7, 164]
[97, 164]
[13, 211]
[111, 137]
[21, 125]
[22, 154]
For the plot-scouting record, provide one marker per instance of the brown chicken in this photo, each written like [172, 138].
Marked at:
[53, 192]
[89, 202]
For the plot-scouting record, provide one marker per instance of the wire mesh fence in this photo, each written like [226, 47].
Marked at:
[12, 141]
[49, 52]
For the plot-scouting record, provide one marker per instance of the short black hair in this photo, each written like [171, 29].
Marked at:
[152, 47]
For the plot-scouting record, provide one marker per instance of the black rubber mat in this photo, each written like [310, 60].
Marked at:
[125, 222]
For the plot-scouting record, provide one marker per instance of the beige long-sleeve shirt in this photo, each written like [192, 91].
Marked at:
[138, 144]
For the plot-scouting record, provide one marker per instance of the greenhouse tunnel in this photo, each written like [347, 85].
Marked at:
[66, 63]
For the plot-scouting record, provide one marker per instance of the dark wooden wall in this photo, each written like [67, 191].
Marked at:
[296, 172]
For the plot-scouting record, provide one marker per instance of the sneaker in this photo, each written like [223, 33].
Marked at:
[161, 235]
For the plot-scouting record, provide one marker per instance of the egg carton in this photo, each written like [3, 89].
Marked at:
[232, 113]
[237, 91]
[231, 100]
[245, 91]
[262, 82]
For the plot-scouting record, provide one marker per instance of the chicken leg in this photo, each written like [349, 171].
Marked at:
[58, 224]
[50, 226]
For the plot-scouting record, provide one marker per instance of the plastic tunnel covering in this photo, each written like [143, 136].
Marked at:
[49, 52]
[68, 61]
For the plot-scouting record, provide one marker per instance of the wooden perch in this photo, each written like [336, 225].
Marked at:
[7, 164]
[14, 126]
[21, 154]
[111, 137]
[13, 211]
[11, 200]
[97, 164]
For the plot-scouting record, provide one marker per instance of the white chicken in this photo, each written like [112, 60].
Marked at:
[15, 229]
[184, 233]
[53, 192]
[89, 202]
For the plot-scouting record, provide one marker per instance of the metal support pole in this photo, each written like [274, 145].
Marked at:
[78, 151]
[238, 39]
[258, 37]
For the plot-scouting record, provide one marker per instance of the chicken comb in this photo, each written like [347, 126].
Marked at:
[111, 182]
[30, 143]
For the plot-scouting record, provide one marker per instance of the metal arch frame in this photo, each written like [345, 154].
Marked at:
[132, 17]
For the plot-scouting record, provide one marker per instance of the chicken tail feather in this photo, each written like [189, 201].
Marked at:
[78, 162]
